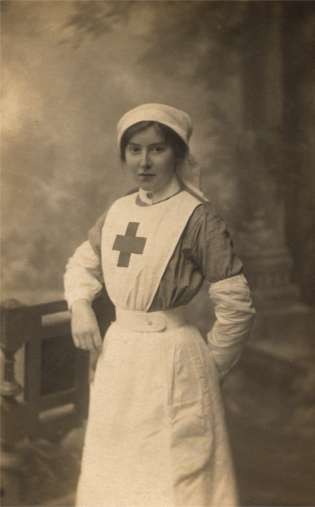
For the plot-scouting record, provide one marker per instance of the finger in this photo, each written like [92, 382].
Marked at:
[81, 341]
[76, 340]
[87, 341]
[97, 340]
[93, 341]
[76, 337]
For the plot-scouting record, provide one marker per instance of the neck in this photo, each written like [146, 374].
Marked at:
[152, 197]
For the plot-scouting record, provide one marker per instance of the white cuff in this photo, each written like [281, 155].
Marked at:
[234, 313]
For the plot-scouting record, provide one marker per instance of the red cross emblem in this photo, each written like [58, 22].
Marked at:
[128, 244]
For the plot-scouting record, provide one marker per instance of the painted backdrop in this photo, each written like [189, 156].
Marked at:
[72, 68]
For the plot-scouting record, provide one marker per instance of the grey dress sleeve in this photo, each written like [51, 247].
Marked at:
[212, 248]
[204, 252]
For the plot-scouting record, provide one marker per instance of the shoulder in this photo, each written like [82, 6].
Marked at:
[196, 194]
[94, 234]
[206, 215]
[188, 201]
[211, 244]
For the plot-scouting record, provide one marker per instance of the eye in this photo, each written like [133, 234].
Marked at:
[133, 149]
[159, 148]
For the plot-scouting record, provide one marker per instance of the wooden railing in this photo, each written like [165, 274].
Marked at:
[44, 383]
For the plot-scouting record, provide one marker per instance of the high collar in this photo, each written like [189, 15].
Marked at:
[148, 198]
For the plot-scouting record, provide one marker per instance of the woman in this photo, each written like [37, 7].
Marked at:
[156, 435]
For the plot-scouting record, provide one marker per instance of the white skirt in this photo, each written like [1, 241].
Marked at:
[156, 434]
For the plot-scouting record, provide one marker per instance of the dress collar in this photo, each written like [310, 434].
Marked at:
[148, 198]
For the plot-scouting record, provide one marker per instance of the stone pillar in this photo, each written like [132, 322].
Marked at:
[270, 394]
[298, 126]
[261, 168]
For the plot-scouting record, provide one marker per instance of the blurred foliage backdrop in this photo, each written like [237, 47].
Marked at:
[72, 68]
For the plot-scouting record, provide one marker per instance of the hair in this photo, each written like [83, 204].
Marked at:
[170, 138]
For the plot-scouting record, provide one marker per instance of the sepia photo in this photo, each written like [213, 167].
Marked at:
[157, 253]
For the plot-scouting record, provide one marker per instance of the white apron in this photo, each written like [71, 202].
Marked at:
[156, 435]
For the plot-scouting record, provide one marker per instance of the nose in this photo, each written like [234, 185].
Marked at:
[145, 161]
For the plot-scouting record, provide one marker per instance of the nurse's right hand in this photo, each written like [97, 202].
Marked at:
[85, 331]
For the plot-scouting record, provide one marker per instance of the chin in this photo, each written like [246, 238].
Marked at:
[146, 186]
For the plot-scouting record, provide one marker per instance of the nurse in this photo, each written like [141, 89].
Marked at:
[156, 433]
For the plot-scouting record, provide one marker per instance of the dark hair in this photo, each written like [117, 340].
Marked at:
[170, 138]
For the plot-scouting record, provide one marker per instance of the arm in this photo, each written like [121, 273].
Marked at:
[83, 275]
[83, 281]
[234, 313]
[228, 290]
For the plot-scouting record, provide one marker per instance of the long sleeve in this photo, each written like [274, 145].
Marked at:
[83, 278]
[234, 313]
[228, 289]
[83, 275]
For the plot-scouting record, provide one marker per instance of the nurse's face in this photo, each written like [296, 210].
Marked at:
[150, 160]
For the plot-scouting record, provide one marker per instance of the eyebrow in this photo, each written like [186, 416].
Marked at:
[152, 144]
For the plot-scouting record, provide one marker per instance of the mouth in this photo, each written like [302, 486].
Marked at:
[145, 175]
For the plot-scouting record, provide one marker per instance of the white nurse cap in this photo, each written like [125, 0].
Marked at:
[175, 119]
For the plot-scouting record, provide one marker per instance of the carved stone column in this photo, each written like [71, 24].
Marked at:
[281, 318]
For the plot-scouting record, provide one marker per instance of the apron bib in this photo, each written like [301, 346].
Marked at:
[137, 244]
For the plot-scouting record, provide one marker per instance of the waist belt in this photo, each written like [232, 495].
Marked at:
[151, 321]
